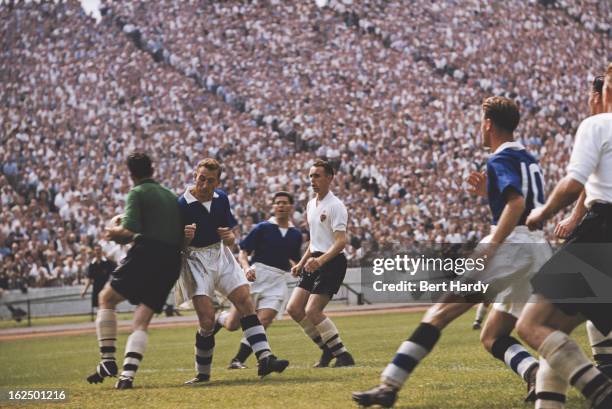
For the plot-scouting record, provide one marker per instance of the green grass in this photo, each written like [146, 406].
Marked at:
[66, 319]
[459, 374]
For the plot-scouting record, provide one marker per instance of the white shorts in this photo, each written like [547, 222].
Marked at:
[269, 289]
[513, 308]
[213, 268]
[509, 272]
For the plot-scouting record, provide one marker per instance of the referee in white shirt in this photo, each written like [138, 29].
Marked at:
[322, 268]
[546, 324]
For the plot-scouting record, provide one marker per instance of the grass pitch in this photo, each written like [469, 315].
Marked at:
[459, 374]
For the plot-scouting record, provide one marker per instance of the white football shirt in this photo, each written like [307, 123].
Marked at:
[591, 161]
[324, 219]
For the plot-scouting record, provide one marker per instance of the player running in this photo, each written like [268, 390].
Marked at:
[514, 186]
[274, 246]
[556, 309]
[152, 222]
[210, 266]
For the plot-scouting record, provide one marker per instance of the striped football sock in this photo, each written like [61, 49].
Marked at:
[204, 348]
[255, 334]
[106, 330]
[514, 355]
[600, 345]
[550, 388]
[244, 351]
[330, 337]
[568, 360]
[312, 332]
[134, 351]
[409, 354]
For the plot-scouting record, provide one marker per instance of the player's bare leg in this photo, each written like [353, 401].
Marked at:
[496, 339]
[296, 308]
[230, 320]
[106, 331]
[546, 328]
[413, 350]
[325, 326]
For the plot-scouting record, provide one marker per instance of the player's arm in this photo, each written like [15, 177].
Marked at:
[337, 248]
[477, 182]
[515, 206]
[125, 228]
[295, 270]
[580, 209]
[118, 232]
[188, 234]
[243, 259]
[247, 247]
[339, 244]
[566, 226]
[565, 193]
[227, 233]
[295, 258]
[339, 221]
[583, 162]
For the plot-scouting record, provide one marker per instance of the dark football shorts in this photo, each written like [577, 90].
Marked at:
[327, 279]
[586, 253]
[147, 273]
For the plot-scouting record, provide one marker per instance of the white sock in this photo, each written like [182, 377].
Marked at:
[312, 332]
[134, 351]
[223, 317]
[550, 388]
[570, 363]
[331, 337]
[106, 330]
[600, 345]
[481, 312]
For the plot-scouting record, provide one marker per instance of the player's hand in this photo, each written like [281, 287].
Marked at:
[116, 221]
[478, 183]
[536, 218]
[250, 274]
[312, 264]
[565, 227]
[296, 270]
[189, 232]
[227, 235]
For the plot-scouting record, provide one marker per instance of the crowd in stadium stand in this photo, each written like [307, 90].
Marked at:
[389, 94]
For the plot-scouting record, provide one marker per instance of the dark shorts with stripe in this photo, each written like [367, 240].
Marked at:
[147, 273]
[327, 279]
[571, 272]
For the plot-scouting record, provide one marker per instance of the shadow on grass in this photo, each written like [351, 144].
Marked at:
[238, 382]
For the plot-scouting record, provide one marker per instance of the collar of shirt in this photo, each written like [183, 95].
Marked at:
[509, 145]
[191, 198]
[273, 221]
[328, 196]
